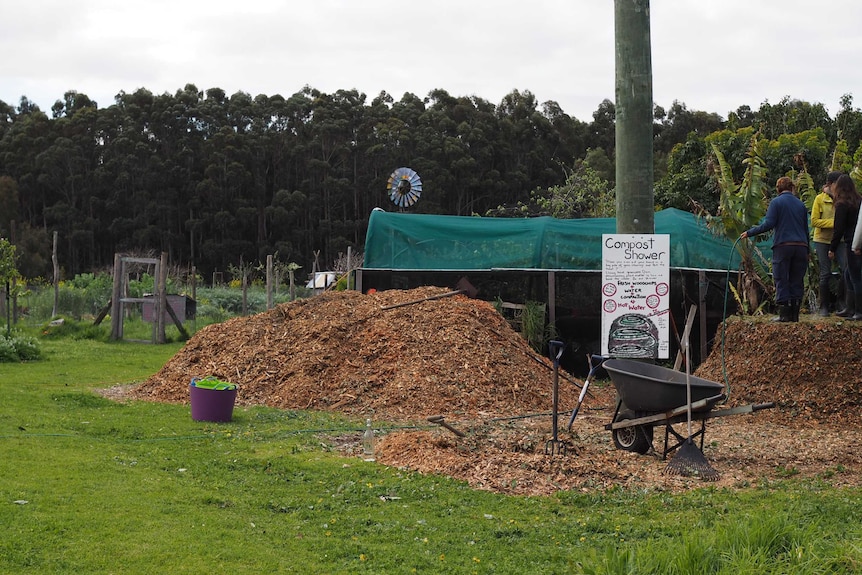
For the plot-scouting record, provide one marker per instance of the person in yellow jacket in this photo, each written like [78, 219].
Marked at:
[822, 221]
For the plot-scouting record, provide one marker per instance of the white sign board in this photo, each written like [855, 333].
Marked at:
[636, 295]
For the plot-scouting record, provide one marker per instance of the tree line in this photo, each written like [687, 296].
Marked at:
[213, 179]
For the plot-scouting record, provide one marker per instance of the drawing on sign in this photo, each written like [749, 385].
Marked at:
[633, 335]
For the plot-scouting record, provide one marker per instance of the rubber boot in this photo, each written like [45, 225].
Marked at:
[849, 304]
[858, 315]
[794, 309]
[785, 313]
[824, 299]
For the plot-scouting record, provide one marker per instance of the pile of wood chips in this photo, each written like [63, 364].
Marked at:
[458, 358]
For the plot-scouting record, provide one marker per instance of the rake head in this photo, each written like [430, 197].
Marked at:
[689, 461]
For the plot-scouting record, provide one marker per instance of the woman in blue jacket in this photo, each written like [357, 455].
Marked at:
[788, 216]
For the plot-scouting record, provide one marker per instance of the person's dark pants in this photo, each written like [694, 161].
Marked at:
[825, 264]
[789, 266]
[854, 271]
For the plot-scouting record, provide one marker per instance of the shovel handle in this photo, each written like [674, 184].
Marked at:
[439, 296]
[599, 360]
[438, 419]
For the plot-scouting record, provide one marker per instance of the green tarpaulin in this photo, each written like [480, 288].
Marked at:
[400, 241]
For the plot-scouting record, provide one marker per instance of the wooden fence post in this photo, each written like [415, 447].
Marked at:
[162, 296]
[116, 304]
[269, 282]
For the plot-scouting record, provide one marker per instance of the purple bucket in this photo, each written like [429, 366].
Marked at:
[212, 404]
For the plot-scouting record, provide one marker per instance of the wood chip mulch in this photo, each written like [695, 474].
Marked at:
[458, 358]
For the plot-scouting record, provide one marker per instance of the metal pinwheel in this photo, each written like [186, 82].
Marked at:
[404, 187]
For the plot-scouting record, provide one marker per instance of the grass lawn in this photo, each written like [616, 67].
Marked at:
[95, 486]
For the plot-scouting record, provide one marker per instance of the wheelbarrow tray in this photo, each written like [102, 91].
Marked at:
[645, 387]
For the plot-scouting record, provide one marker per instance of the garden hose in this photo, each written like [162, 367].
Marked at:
[724, 321]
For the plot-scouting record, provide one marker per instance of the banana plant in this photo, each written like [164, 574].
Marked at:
[741, 206]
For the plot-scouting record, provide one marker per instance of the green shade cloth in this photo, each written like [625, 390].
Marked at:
[399, 241]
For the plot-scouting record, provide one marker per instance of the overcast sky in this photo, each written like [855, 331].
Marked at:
[713, 55]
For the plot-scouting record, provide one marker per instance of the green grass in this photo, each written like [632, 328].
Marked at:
[140, 487]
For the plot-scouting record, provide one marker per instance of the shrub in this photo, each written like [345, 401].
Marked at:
[16, 347]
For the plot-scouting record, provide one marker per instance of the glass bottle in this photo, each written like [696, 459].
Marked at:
[368, 442]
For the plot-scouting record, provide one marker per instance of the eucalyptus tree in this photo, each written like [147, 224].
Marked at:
[481, 176]
[67, 169]
[742, 117]
[460, 129]
[572, 133]
[679, 122]
[132, 137]
[386, 138]
[790, 116]
[27, 136]
[526, 144]
[252, 120]
[8, 204]
[229, 223]
[601, 132]
[289, 214]
[334, 130]
[401, 135]
[7, 117]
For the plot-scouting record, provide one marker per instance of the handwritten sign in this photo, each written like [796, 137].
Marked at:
[636, 295]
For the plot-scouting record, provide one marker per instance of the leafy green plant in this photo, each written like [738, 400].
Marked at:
[533, 324]
[15, 347]
[741, 206]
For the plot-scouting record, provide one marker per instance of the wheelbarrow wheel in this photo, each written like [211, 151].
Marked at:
[637, 438]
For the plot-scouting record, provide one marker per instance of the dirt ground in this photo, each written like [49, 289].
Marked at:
[458, 358]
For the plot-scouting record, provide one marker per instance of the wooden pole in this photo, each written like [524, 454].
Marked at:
[552, 300]
[195, 298]
[56, 264]
[702, 286]
[244, 287]
[349, 267]
[269, 282]
[13, 236]
[162, 297]
[634, 118]
[116, 304]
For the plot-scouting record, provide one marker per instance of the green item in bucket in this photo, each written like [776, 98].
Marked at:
[213, 383]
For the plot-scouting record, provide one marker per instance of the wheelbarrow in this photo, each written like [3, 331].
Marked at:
[650, 395]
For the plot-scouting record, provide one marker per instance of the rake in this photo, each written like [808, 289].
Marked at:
[689, 460]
